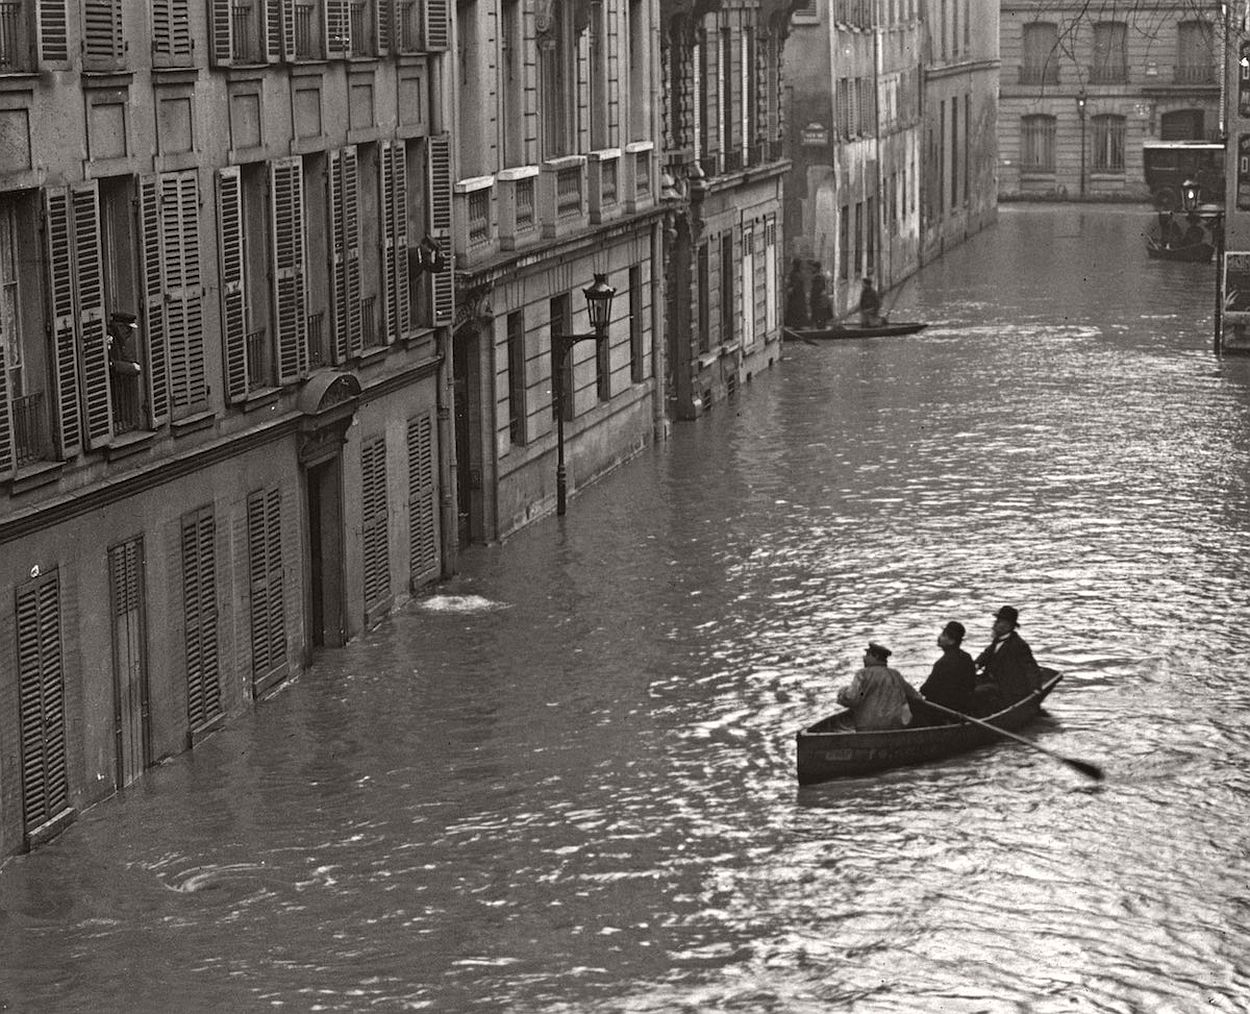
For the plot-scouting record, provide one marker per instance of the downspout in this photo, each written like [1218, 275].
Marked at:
[449, 525]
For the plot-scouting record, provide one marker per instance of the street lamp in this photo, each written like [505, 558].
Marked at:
[1080, 111]
[1191, 195]
[599, 309]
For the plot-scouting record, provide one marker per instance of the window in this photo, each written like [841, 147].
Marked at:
[1108, 153]
[955, 150]
[31, 42]
[512, 79]
[857, 260]
[24, 397]
[844, 243]
[171, 34]
[1037, 144]
[1110, 53]
[637, 351]
[199, 609]
[374, 515]
[517, 410]
[770, 275]
[705, 305]
[748, 287]
[422, 505]
[557, 77]
[368, 181]
[1039, 62]
[727, 287]
[103, 47]
[266, 605]
[561, 321]
[1195, 56]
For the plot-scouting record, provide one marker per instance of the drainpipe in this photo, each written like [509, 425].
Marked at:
[449, 522]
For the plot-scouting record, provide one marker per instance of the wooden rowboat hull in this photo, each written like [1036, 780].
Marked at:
[825, 753]
[844, 331]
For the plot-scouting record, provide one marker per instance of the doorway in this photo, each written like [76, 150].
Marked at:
[464, 368]
[324, 486]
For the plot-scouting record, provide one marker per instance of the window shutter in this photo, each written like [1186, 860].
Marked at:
[422, 519]
[222, 32]
[171, 33]
[345, 234]
[268, 619]
[41, 696]
[233, 307]
[6, 421]
[154, 300]
[279, 30]
[394, 168]
[338, 28]
[437, 24]
[89, 274]
[61, 297]
[104, 47]
[290, 300]
[438, 172]
[184, 290]
[199, 610]
[384, 18]
[53, 34]
[374, 519]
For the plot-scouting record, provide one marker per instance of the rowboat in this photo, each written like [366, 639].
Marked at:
[1198, 253]
[826, 751]
[843, 331]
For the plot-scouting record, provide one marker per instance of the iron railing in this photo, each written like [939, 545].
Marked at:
[1109, 73]
[127, 402]
[369, 321]
[524, 203]
[360, 30]
[1194, 74]
[318, 354]
[256, 341]
[29, 429]
[569, 191]
[12, 52]
[306, 32]
[246, 40]
[479, 216]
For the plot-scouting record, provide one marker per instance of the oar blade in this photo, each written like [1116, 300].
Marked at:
[1086, 768]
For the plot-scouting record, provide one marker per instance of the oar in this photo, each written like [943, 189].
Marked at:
[1090, 770]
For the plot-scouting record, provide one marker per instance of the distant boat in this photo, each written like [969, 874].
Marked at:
[1190, 237]
[841, 331]
[1199, 252]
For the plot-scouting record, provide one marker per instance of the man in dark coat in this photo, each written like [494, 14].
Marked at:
[953, 681]
[1007, 665]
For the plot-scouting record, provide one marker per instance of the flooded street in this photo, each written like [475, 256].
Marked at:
[566, 782]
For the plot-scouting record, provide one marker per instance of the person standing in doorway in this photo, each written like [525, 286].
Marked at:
[869, 304]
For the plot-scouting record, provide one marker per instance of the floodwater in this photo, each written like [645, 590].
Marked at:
[566, 782]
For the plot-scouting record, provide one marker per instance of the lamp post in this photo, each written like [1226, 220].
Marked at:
[1080, 111]
[1191, 194]
[599, 309]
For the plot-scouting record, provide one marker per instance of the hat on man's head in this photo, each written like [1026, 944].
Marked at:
[954, 630]
[1008, 614]
[879, 650]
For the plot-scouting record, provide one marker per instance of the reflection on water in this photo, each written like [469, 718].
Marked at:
[565, 783]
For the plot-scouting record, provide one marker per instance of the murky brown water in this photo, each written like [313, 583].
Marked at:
[566, 783]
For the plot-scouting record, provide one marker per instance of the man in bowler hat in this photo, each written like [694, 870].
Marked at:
[1007, 665]
[953, 681]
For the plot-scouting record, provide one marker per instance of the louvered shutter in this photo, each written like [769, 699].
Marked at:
[6, 419]
[222, 32]
[437, 24]
[438, 172]
[394, 190]
[104, 47]
[53, 26]
[268, 618]
[89, 276]
[345, 246]
[57, 233]
[41, 701]
[199, 610]
[279, 30]
[422, 518]
[233, 306]
[150, 237]
[374, 518]
[290, 299]
[171, 33]
[384, 19]
[338, 28]
[184, 289]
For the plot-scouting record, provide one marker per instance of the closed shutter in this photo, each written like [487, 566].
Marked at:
[233, 306]
[89, 276]
[41, 701]
[104, 48]
[268, 617]
[61, 298]
[277, 22]
[422, 518]
[374, 517]
[748, 287]
[154, 299]
[345, 235]
[54, 34]
[171, 33]
[338, 28]
[222, 32]
[770, 275]
[6, 420]
[395, 238]
[199, 612]
[438, 172]
[384, 18]
[290, 299]
[437, 24]
[130, 690]
[184, 289]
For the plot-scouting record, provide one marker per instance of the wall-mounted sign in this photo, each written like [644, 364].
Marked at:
[815, 134]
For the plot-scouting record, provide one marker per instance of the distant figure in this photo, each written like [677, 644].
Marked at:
[869, 304]
[121, 331]
[878, 695]
[796, 296]
[953, 681]
[1008, 670]
[822, 309]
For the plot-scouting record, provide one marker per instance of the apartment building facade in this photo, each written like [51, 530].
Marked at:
[1083, 90]
[225, 309]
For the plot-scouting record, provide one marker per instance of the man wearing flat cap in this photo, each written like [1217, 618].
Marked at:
[878, 695]
[1007, 665]
[953, 681]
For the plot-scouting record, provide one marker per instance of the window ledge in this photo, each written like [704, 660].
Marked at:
[35, 475]
[260, 397]
[192, 423]
[372, 354]
[129, 443]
